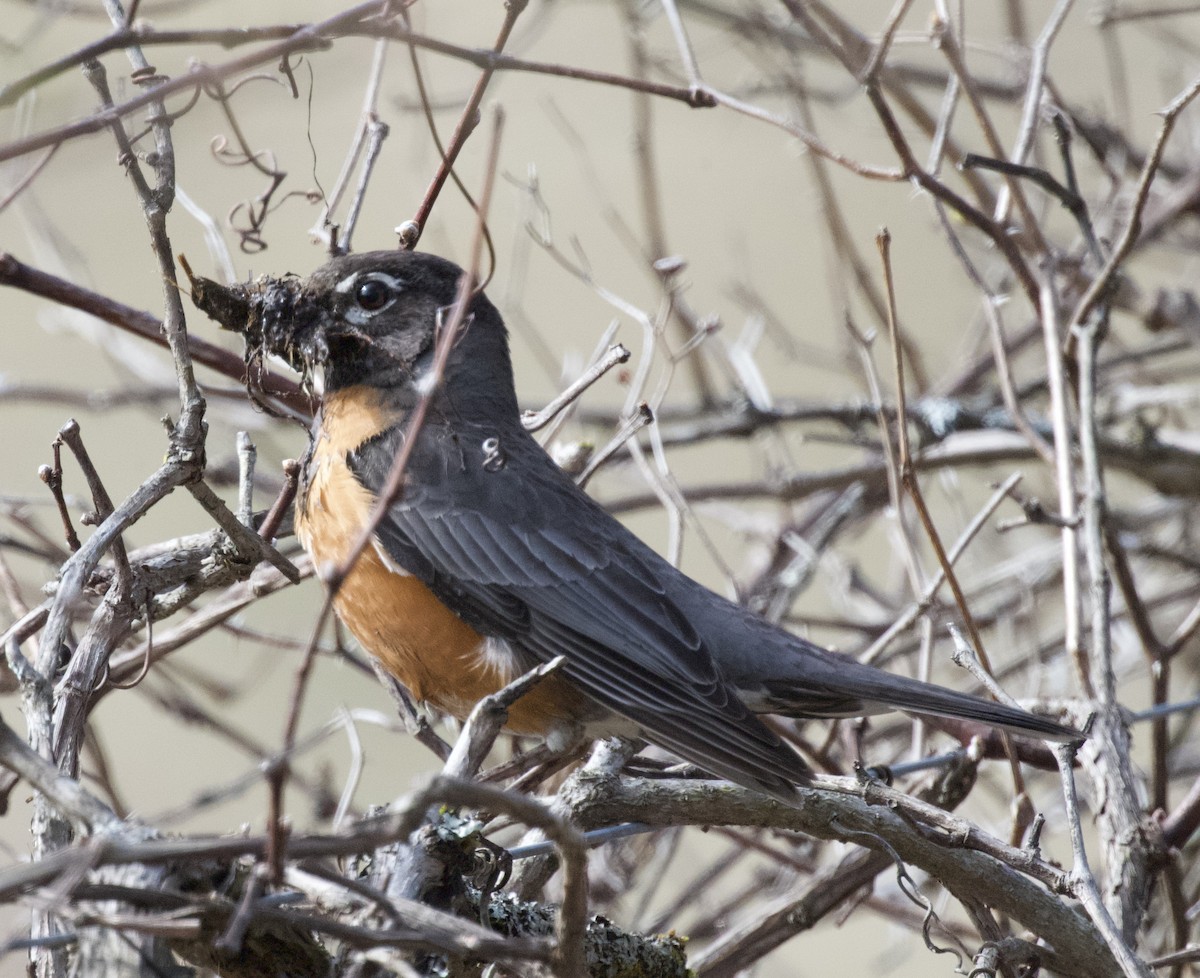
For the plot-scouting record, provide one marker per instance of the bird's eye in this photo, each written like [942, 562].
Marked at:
[372, 295]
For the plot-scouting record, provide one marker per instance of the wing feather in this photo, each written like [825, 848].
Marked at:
[502, 549]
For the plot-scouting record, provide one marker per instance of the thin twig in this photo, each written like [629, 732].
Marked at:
[467, 122]
[631, 427]
[250, 545]
[1065, 475]
[536, 420]
[1083, 882]
[487, 719]
[1124, 244]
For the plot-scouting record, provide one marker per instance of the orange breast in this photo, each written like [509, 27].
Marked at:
[395, 617]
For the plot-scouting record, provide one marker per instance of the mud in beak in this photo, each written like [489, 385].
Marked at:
[274, 316]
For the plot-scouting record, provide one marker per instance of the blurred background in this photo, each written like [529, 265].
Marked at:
[778, 262]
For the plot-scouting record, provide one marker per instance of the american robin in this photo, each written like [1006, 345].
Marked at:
[491, 560]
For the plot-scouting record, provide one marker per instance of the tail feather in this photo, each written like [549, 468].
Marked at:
[861, 690]
[936, 701]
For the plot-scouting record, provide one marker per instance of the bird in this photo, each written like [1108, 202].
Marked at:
[490, 560]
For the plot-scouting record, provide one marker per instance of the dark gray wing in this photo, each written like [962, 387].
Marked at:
[520, 553]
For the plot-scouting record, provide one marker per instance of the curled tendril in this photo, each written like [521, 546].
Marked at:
[908, 886]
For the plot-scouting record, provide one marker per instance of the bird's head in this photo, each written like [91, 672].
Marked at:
[370, 318]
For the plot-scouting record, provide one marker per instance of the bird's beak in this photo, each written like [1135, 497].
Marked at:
[230, 306]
